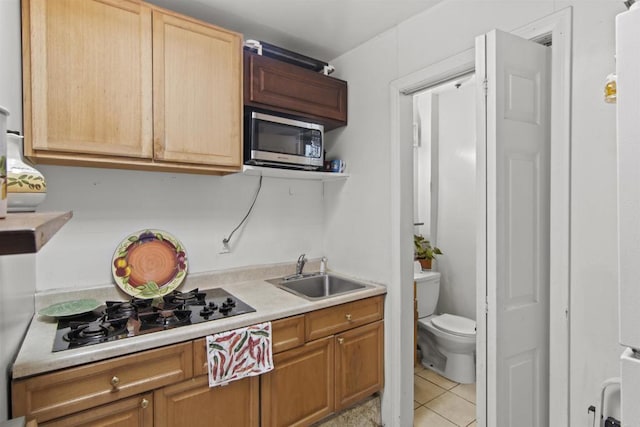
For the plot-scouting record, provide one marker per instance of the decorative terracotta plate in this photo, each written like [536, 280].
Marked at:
[70, 308]
[149, 264]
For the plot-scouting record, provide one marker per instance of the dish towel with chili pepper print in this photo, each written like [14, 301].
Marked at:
[239, 353]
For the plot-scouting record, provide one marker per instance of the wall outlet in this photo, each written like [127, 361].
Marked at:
[225, 247]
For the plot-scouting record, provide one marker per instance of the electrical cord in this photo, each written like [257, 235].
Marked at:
[227, 240]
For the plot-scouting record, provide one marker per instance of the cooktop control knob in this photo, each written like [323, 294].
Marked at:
[225, 308]
[230, 302]
[206, 311]
[213, 305]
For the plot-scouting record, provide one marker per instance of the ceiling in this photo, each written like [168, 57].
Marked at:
[321, 29]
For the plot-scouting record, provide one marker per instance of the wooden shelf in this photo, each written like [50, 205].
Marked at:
[24, 233]
[293, 173]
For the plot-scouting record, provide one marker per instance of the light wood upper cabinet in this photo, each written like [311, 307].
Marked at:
[197, 92]
[124, 84]
[87, 69]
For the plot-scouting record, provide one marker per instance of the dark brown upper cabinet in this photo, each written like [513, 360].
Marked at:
[278, 86]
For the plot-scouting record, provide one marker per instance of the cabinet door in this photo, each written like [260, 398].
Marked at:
[359, 363]
[277, 85]
[193, 403]
[300, 389]
[132, 412]
[87, 78]
[197, 92]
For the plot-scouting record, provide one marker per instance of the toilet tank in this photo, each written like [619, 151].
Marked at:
[427, 292]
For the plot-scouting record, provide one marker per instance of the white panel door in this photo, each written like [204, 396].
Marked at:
[515, 214]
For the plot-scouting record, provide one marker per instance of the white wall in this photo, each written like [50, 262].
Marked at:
[199, 210]
[425, 121]
[17, 287]
[11, 62]
[445, 30]
[357, 210]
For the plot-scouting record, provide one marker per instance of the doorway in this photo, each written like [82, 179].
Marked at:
[444, 187]
[444, 207]
[556, 27]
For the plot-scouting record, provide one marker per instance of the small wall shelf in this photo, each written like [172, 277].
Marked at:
[293, 174]
[23, 233]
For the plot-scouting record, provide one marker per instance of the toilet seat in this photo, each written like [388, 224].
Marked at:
[456, 325]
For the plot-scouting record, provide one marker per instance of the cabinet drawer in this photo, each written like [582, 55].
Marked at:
[132, 411]
[287, 333]
[60, 393]
[332, 320]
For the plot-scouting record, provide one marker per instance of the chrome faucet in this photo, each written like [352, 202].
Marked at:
[300, 264]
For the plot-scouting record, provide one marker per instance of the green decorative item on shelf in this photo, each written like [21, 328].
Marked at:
[424, 252]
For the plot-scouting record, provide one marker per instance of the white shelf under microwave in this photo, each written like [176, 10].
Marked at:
[293, 173]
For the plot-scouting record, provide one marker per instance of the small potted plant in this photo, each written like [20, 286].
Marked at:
[424, 252]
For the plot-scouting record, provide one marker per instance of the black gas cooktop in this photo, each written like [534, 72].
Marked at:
[122, 319]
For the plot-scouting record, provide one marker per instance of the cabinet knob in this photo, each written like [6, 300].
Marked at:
[340, 340]
[144, 404]
[348, 316]
[115, 381]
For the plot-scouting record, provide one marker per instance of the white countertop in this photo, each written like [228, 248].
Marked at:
[271, 303]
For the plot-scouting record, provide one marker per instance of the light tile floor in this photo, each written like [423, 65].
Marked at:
[442, 403]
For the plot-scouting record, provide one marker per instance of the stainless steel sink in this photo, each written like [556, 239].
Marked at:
[318, 286]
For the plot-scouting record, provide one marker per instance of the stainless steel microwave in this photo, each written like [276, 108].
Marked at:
[272, 140]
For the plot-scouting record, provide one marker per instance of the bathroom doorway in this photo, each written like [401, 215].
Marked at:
[445, 187]
[556, 29]
[444, 204]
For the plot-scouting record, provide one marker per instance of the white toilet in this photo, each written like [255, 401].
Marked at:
[447, 342]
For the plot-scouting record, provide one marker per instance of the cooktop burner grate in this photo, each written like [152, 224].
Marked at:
[123, 319]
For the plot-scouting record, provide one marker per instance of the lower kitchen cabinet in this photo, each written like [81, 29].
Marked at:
[359, 364]
[193, 403]
[324, 361]
[58, 394]
[135, 411]
[299, 390]
[329, 373]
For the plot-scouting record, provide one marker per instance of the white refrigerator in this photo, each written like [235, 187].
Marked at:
[628, 135]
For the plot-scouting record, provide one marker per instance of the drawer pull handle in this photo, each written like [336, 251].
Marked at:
[348, 316]
[144, 404]
[340, 340]
[115, 381]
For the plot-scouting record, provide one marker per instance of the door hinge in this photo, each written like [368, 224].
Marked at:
[486, 306]
[485, 86]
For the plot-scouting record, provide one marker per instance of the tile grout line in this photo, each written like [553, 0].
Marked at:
[440, 395]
